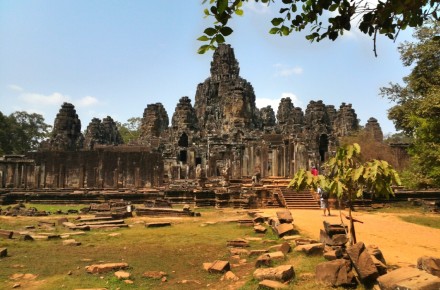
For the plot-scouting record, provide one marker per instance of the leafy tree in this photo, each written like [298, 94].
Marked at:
[347, 178]
[325, 18]
[130, 131]
[21, 132]
[417, 109]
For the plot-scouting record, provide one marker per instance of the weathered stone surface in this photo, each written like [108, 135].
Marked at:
[66, 134]
[285, 216]
[270, 284]
[267, 115]
[334, 240]
[334, 229]
[381, 267]
[284, 229]
[334, 273]
[304, 241]
[154, 121]
[239, 251]
[229, 276]
[260, 229]
[331, 254]
[154, 274]
[263, 260]
[281, 273]
[238, 243]
[71, 242]
[375, 251]
[107, 267]
[122, 275]
[284, 248]
[372, 128]
[3, 252]
[219, 266]
[102, 133]
[311, 249]
[257, 252]
[362, 262]
[429, 264]
[410, 279]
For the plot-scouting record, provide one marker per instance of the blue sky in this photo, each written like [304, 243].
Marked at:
[112, 58]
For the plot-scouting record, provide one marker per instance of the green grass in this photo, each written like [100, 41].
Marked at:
[427, 221]
[179, 250]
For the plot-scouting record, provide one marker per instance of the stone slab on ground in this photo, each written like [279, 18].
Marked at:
[335, 240]
[284, 216]
[429, 264]
[107, 267]
[122, 275]
[239, 243]
[71, 242]
[409, 279]
[3, 252]
[260, 229]
[311, 249]
[333, 229]
[219, 266]
[157, 224]
[362, 262]
[284, 229]
[334, 273]
[154, 274]
[281, 273]
[271, 284]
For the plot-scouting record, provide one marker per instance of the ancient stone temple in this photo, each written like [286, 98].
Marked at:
[223, 137]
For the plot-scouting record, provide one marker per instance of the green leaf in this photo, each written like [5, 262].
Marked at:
[239, 12]
[274, 30]
[221, 6]
[226, 30]
[219, 38]
[210, 31]
[206, 11]
[285, 30]
[203, 49]
[277, 21]
[333, 7]
[203, 38]
[294, 8]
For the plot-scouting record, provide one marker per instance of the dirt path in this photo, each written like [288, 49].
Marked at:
[401, 242]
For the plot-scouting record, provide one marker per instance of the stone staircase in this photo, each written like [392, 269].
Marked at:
[300, 200]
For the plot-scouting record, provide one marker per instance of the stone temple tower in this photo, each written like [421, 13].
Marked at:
[225, 102]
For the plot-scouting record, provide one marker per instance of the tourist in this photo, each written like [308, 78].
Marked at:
[314, 171]
[323, 194]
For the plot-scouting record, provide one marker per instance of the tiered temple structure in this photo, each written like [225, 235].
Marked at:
[223, 136]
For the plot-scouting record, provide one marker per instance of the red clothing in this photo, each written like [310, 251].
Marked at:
[314, 172]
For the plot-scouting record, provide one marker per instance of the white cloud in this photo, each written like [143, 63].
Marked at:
[87, 101]
[264, 102]
[15, 88]
[295, 100]
[256, 7]
[283, 70]
[274, 103]
[44, 100]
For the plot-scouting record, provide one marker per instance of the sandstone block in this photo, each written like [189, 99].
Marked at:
[122, 275]
[408, 278]
[3, 252]
[311, 249]
[285, 216]
[229, 276]
[334, 273]
[71, 242]
[238, 243]
[270, 284]
[107, 267]
[281, 273]
[429, 264]
[362, 262]
[154, 274]
[260, 229]
[284, 229]
[219, 266]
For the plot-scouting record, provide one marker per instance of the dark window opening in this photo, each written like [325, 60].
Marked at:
[183, 156]
[323, 146]
[198, 160]
[183, 140]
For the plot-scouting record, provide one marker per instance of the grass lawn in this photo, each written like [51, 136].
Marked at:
[179, 250]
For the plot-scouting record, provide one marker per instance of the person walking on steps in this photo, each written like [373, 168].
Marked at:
[323, 194]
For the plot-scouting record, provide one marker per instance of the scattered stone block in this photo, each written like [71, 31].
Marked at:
[335, 273]
[241, 243]
[157, 224]
[229, 276]
[263, 260]
[206, 266]
[107, 267]
[284, 229]
[304, 241]
[259, 219]
[381, 267]
[60, 221]
[429, 264]
[408, 278]
[6, 234]
[333, 229]
[257, 252]
[3, 252]
[335, 240]
[291, 238]
[362, 262]
[122, 275]
[270, 284]
[285, 216]
[281, 273]
[239, 251]
[276, 255]
[260, 229]
[71, 242]
[311, 249]
[219, 266]
[375, 251]
[331, 254]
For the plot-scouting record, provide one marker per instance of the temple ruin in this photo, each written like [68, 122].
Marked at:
[221, 150]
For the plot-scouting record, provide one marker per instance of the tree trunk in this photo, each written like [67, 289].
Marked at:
[352, 230]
